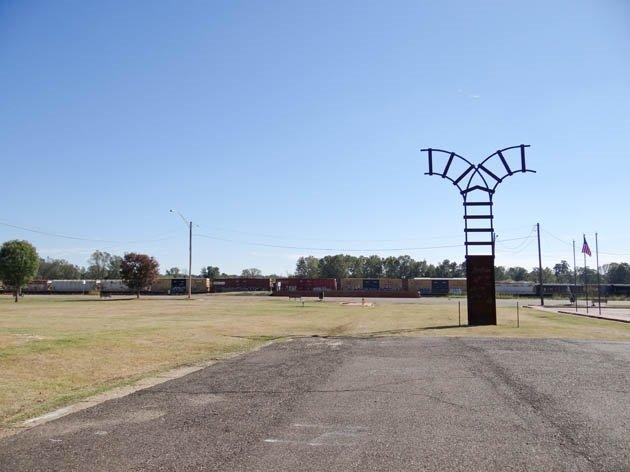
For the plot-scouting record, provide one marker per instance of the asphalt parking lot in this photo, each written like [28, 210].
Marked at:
[386, 403]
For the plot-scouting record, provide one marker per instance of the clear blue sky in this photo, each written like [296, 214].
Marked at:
[300, 123]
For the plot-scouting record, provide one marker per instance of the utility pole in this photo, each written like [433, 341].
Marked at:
[575, 295]
[585, 276]
[599, 280]
[540, 273]
[189, 260]
[189, 224]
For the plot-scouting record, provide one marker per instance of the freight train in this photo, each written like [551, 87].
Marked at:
[295, 286]
[162, 286]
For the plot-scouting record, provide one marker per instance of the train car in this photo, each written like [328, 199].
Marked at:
[421, 285]
[179, 286]
[390, 285]
[618, 289]
[516, 288]
[293, 284]
[73, 286]
[242, 284]
[161, 286]
[114, 286]
[457, 286]
[351, 284]
[560, 289]
[371, 284]
[37, 286]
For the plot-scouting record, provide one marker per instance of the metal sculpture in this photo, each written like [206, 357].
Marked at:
[477, 185]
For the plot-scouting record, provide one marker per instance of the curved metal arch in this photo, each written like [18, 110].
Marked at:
[472, 200]
[508, 170]
[444, 173]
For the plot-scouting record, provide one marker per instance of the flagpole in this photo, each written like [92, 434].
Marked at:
[585, 279]
[575, 278]
[599, 282]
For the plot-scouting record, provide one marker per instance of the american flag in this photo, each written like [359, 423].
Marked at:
[585, 248]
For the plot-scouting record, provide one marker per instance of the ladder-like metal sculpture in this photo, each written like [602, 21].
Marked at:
[477, 185]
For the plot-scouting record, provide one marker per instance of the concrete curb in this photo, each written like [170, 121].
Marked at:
[584, 315]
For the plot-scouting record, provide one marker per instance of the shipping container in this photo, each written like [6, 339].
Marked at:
[161, 286]
[420, 285]
[293, 284]
[391, 284]
[351, 284]
[439, 286]
[178, 286]
[241, 284]
[371, 284]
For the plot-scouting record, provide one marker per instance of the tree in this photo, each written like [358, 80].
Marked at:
[253, 272]
[307, 267]
[562, 272]
[618, 273]
[210, 272]
[549, 277]
[18, 264]
[139, 271]
[334, 267]
[373, 267]
[51, 269]
[113, 267]
[517, 274]
[173, 272]
[103, 265]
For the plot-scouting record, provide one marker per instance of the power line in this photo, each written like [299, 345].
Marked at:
[78, 238]
[332, 249]
[549, 233]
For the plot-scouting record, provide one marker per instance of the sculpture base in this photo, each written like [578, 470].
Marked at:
[482, 302]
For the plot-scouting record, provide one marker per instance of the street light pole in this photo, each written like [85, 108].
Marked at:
[189, 260]
[190, 225]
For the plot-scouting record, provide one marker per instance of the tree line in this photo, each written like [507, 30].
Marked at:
[405, 267]
[103, 265]
[20, 263]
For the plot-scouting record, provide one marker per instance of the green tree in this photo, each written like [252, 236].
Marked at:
[549, 277]
[211, 272]
[113, 267]
[173, 272]
[373, 267]
[562, 272]
[139, 271]
[356, 266]
[51, 269]
[103, 265]
[390, 267]
[618, 273]
[253, 272]
[307, 267]
[18, 264]
[517, 274]
[333, 266]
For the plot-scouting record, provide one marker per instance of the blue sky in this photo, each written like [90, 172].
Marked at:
[299, 124]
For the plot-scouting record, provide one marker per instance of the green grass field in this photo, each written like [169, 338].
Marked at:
[55, 350]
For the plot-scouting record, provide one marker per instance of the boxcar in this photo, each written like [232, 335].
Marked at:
[293, 284]
[241, 284]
